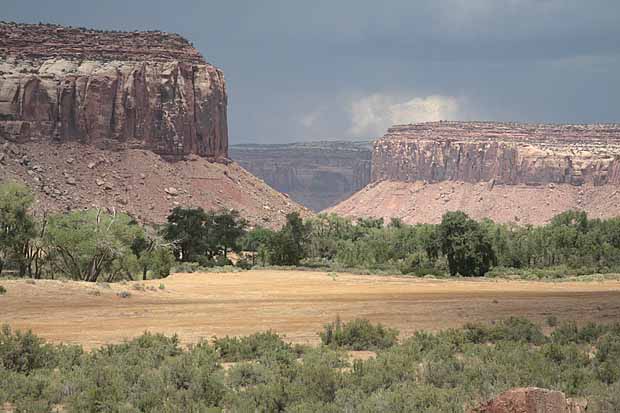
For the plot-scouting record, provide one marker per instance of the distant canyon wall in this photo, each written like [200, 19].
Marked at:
[315, 174]
[507, 153]
[147, 90]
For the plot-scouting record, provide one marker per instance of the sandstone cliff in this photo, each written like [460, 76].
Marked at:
[508, 153]
[505, 171]
[124, 121]
[316, 174]
[148, 90]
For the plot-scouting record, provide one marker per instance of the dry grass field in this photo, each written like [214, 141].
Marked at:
[293, 303]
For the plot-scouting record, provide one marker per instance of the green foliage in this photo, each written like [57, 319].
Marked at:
[511, 329]
[86, 245]
[22, 352]
[251, 347]
[448, 371]
[465, 245]
[17, 226]
[358, 334]
[2, 290]
[199, 235]
[286, 247]
[153, 255]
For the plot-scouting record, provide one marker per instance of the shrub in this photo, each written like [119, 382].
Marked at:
[138, 287]
[358, 334]
[2, 290]
[162, 286]
[510, 329]
[569, 332]
[251, 347]
[123, 294]
[188, 267]
[244, 264]
[552, 321]
[22, 352]
[607, 359]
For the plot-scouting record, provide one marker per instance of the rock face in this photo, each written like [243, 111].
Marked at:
[148, 90]
[504, 171]
[508, 153]
[315, 174]
[530, 400]
[124, 121]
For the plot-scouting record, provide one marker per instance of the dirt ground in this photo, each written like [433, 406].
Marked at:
[294, 303]
[418, 202]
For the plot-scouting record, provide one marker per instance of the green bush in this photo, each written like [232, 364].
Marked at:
[22, 352]
[2, 290]
[510, 329]
[188, 267]
[244, 264]
[252, 347]
[449, 371]
[358, 334]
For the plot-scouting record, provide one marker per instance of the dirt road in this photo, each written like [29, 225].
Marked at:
[294, 303]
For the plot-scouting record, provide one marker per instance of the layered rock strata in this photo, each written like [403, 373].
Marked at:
[508, 172]
[508, 153]
[147, 90]
[93, 119]
[316, 174]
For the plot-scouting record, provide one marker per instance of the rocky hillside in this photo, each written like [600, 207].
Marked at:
[505, 171]
[131, 121]
[315, 174]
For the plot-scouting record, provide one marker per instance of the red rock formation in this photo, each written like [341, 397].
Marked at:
[530, 400]
[148, 90]
[508, 153]
[503, 171]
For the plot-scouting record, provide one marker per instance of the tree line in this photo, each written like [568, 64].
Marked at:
[98, 244]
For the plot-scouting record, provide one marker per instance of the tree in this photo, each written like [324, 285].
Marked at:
[256, 240]
[465, 245]
[196, 233]
[85, 245]
[17, 227]
[153, 254]
[286, 246]
[186, 230]
[225, 229]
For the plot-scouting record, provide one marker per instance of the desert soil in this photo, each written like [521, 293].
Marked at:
[418, 202]
[294, 303]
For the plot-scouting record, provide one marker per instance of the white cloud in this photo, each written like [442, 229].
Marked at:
[372, 115]
[308, 120]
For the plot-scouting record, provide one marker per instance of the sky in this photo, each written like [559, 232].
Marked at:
[301, 70]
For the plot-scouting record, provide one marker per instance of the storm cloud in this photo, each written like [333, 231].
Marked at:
[300, 70]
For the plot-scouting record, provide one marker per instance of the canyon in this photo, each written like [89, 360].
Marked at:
[316, 174]
[131, 121]
[508, 172]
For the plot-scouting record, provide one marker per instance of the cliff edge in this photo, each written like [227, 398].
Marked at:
[504, 171]
[147, 90]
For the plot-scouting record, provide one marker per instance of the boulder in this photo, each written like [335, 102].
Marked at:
[530, 400]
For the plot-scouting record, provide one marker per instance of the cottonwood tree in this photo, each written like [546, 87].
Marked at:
[196, 233]
[87, 245]
[465, 245]
[153, 254]
[17, 227]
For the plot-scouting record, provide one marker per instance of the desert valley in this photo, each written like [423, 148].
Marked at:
[147, 264]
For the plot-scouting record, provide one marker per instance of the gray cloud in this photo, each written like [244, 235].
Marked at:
[294, 68]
